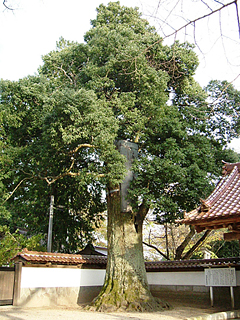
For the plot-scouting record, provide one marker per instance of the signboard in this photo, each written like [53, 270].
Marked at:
[220, 277]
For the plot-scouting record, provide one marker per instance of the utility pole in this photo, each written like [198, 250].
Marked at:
[50, 225]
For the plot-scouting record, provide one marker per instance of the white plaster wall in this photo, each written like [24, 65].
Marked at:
[71, 278]
[176, 278]
[188, 278]
[61, 277]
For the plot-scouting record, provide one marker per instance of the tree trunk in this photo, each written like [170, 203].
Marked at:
[183, 245]
[198, 244]
[167, 243]
[126, 286]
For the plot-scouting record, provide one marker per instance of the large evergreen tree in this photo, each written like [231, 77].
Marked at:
[122, 86]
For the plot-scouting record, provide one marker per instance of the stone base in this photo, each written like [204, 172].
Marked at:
[197, 296]
[50, 297]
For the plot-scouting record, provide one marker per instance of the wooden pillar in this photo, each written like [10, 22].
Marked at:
[50, 225]
[17, 283]
[211, 296]
[232, 297]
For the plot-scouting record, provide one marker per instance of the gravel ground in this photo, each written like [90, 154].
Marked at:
[58, 313]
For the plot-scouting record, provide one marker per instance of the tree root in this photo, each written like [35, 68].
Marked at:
[104, 304]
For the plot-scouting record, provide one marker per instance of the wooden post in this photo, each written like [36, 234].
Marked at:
[50, 225]
[232, 297]
[211, 296]
[17, 283]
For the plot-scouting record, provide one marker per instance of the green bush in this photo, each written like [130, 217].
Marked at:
[12, 243]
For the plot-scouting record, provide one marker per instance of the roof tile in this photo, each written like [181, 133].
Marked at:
[58, 258]
[223, 202]
[44, 258]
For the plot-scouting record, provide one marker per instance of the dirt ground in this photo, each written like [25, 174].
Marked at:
[64, 313]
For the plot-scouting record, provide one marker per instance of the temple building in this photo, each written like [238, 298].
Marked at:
[222, 208]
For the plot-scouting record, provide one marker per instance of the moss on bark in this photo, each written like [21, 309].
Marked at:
[126, 287]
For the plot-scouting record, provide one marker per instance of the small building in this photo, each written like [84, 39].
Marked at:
[222, 208]
[93, 251]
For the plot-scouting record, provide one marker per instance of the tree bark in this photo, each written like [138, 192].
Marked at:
[126, 286]
[183, 245]
[197, 245]
[166, 234]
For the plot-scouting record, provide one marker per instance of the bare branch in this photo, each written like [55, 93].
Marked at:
[202, 17]
[238, 20]
[193, 22]
[155, 248]
[4, 3]
[208, 5]
[64, 71]
[218, 2]
[16, 189]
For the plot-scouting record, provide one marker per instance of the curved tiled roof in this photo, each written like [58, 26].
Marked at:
[35, 257]
[193, 265]
[62, 259]
[222, 207]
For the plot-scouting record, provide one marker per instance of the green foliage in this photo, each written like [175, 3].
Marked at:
[12, 243]
[224, 110]
[225, 249]
[220, 249]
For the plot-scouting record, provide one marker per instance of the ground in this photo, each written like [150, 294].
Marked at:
[179, 311]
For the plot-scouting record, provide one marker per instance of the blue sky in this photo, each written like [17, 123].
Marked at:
[35, 26]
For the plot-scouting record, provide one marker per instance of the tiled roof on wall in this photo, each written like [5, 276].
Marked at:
[193, 265]
[222, 207]
[35, 257]
[99, 262]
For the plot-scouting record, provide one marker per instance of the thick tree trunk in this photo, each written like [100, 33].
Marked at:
[126, 286]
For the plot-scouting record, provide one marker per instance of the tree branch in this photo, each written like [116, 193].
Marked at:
[197, 245]
[70, 79]
[160, 252]
[193, 22]
[16, 189]
[183, 245]
[83, 145]
[4, 3]
[238, 20]
[51, 179]
[202, 17]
